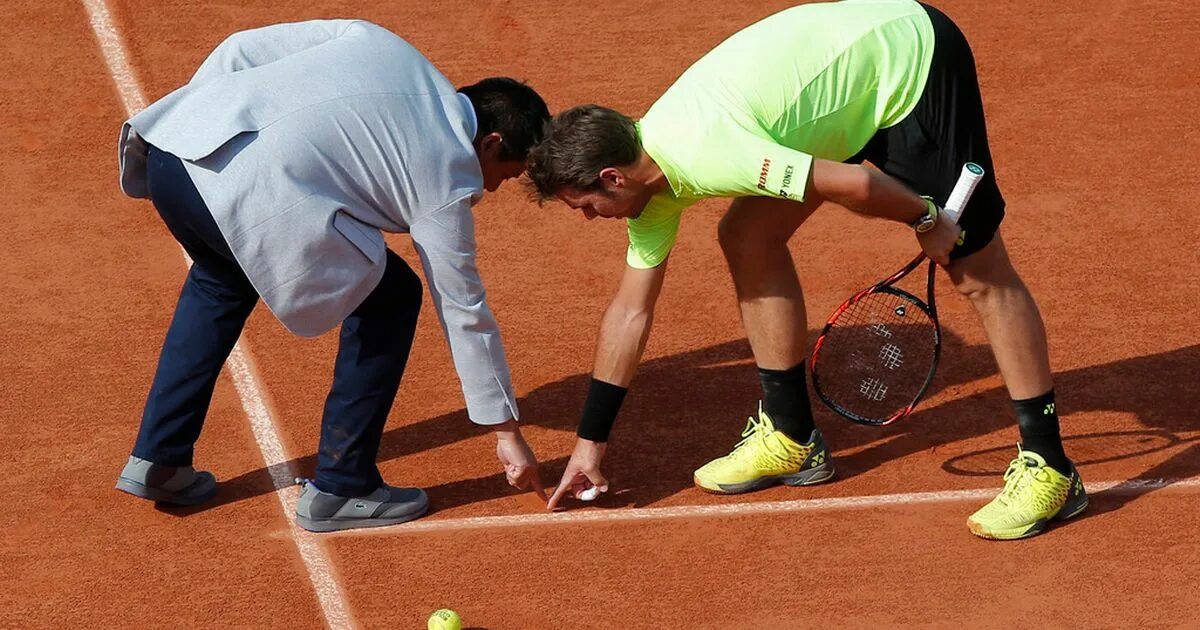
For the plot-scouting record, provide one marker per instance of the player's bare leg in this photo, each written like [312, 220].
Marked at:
[1041, 484]
[1009, 315]
[754, 234]
[781, 445]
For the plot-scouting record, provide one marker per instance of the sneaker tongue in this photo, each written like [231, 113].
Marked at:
[1033, 460]
[765, 419]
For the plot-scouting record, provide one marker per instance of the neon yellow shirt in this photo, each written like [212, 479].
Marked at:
[747, 119]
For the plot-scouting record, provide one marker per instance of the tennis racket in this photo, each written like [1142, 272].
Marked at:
[879, 350]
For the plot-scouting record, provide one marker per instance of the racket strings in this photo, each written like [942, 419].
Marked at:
[877, 355]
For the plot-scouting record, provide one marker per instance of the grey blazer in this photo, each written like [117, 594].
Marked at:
[307, 139]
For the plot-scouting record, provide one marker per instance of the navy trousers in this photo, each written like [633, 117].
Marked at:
[213, 306]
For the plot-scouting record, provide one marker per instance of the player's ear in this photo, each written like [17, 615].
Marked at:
[612, 178]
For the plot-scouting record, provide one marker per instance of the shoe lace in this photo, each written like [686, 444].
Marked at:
[752, 435]
[1021, 480]
[754, 442]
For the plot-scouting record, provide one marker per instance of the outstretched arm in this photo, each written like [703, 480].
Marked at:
[623, 334]
[626, 325]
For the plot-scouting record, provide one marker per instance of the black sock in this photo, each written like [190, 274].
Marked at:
[1038, 420]
[785, 399]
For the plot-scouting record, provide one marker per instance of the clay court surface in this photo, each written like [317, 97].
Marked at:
[1090, 107]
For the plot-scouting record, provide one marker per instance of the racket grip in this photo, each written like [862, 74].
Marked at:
[963, 189]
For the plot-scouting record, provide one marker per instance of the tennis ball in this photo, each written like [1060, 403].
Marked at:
[445, 619]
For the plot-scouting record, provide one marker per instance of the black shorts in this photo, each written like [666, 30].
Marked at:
[928, 148]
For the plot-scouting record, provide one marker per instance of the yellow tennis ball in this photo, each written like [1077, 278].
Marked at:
[445, 619]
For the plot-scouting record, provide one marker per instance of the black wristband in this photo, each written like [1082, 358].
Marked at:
[600, 411]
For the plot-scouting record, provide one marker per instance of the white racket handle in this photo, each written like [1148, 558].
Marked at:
[963, 189]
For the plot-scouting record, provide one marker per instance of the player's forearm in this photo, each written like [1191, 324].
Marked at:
[623, 335]
[866, 191]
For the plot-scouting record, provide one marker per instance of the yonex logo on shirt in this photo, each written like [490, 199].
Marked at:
[787, 180]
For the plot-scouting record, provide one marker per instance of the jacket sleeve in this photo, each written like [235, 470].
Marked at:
[261, 46]
[445, 242]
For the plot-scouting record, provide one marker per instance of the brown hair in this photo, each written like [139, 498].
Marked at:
[579, 143]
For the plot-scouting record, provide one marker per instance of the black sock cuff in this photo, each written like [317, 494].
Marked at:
[1037, 409]
[785, 399]
[788, 374]
[1044, 399]
[1038, 417]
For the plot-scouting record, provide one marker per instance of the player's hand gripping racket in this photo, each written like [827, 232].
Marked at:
[879, 350]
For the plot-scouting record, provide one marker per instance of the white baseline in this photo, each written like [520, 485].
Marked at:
[618, 515]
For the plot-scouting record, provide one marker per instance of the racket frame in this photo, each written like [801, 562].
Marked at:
[884, 286]
[970, 176]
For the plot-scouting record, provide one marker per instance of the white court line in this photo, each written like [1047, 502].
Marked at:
[619, 515]
[240, 365]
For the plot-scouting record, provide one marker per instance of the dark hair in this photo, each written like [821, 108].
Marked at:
[510, 108]
[580, 143]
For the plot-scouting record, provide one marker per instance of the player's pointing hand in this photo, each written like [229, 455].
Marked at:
[582, 476]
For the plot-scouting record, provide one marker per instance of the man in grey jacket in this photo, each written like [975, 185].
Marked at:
[276, 168]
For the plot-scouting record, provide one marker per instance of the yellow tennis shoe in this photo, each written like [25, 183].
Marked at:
[764, 458]
[1033, 495]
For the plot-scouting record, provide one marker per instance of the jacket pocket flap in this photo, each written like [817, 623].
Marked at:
[367, 239]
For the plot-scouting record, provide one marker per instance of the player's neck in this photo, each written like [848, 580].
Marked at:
[647, 171]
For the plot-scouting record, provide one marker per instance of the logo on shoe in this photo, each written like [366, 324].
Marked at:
[817, 460]
[360, 506]
[1048, 410]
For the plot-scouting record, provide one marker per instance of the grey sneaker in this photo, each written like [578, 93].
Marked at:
[182, 485]
[319, 511]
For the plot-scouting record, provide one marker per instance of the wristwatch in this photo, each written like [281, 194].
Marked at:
[927, 220]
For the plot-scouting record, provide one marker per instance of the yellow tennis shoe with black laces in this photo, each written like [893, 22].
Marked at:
[764, 458]
[1034, 494]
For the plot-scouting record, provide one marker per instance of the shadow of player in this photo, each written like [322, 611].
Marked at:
[689, 408]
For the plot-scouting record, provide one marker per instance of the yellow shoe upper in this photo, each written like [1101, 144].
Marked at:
[1032, 492]
[763, 452]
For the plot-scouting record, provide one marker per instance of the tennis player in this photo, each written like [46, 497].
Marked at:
[780, 117]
